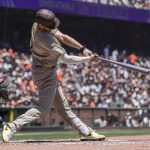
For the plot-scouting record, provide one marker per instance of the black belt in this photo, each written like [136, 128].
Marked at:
[39, 66]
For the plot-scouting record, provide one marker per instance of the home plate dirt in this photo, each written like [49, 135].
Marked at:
[115, 143]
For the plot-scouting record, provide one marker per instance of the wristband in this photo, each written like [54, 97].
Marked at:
[82, 48]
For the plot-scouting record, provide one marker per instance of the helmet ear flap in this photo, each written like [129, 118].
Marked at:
[57, 22]
[52, 24]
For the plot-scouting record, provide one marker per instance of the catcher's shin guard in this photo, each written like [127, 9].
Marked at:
[4, 89]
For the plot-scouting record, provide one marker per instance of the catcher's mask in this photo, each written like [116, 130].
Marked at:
[47, 18]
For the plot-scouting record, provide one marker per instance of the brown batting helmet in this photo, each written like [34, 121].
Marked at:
[47, 18]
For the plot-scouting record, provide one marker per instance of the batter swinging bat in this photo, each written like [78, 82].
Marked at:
[125, 65]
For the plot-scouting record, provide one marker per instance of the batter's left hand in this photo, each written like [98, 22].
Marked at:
[87, 52]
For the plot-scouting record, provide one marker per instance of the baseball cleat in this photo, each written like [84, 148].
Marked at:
[6, 133]
[93, 136]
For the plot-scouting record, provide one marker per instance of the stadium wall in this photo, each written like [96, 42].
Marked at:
[82, 8]
[116, 117]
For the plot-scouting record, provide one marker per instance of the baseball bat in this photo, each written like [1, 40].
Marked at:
[125, 65]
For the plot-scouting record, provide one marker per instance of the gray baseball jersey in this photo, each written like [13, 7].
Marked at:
[46, 50]
[45, 47]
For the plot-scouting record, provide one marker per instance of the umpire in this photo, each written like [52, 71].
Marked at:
[46, 50]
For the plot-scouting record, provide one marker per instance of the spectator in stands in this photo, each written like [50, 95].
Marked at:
[139, 4]
[132, 58]
[106, 51]
[115, 54]
[100, 122]
[104, 1]
[112, 120]
[135, 122]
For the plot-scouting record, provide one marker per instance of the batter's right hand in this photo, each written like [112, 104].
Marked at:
[92, 57]
[87, 52]
[96, 57]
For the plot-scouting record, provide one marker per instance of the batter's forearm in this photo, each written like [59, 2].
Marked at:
[72, 42]
[67, 59]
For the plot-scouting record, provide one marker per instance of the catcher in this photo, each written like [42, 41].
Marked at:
[46, 51]
[4, 84]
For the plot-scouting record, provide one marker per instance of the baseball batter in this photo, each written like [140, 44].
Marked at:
[46, 51]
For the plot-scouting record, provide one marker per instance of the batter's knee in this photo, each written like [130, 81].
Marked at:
[43, 110]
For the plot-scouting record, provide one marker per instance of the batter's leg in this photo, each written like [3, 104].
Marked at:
[62, 107]
[41, 107]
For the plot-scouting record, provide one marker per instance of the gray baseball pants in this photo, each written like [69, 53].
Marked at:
[49, 93]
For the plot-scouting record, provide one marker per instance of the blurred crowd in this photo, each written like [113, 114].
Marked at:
[106, 85]
[18, 67]
[88, 84]
[131, 119]
[140, 4]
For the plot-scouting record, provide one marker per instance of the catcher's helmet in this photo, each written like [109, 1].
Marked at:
[47, 18]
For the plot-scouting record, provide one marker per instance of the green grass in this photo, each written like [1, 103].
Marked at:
[74, 135]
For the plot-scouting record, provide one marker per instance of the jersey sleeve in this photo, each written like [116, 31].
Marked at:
[57, 48]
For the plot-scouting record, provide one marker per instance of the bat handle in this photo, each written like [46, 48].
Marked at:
[96, 56]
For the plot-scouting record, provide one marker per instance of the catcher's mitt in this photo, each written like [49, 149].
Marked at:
[4, 89]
